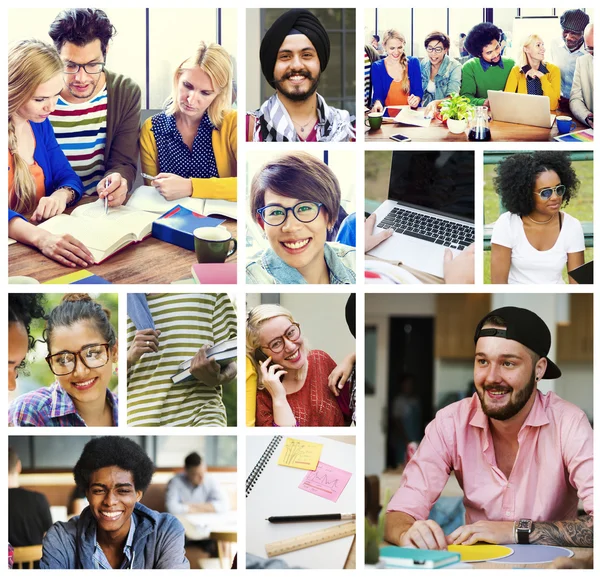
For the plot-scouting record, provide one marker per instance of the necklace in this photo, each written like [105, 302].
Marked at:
[302, 126]
[541, 222]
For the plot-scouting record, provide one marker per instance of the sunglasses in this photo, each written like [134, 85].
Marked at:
[546, 193]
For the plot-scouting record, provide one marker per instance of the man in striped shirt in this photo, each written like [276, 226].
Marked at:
[97, 117]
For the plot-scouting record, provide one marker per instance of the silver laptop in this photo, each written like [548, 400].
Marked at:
[430, 207]
[521, 108]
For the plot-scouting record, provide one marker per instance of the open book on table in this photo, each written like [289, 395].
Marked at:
[149, 199]
[103, 234]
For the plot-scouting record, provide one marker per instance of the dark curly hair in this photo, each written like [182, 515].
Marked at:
[23, 308]
[517, 173]
[480, 36]
[114, 451]
[80, 26]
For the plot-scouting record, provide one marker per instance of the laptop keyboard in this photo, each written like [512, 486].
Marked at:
[429, 228]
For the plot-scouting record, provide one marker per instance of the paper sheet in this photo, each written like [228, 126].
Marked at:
[529, 554]
[300, 454]
[415, 117]
[326, 481]
[475, 553]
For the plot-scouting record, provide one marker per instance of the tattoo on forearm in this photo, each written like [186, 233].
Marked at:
[576, 532]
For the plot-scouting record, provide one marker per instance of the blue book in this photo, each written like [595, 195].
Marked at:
[409, 558]
[177, 226]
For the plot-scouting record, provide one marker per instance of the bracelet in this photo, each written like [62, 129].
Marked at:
[73, 194]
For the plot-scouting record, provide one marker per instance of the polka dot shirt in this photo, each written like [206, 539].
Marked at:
[534, 85]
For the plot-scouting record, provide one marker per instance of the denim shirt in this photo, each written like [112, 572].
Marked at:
[447, 79]
[267, 268]
[100, 560]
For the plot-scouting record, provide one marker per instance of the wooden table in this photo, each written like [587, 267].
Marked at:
[438, 132]
[151, 261]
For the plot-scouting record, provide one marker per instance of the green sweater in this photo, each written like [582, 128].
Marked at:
[476, 82]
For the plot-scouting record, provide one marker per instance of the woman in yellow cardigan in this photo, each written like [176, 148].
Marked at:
[190, 149]
[534, 76]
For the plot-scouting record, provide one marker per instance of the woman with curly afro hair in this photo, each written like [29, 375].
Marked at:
[533, 240]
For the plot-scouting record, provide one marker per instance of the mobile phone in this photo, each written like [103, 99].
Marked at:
[400, 138]
[148, 176]
[259, 355]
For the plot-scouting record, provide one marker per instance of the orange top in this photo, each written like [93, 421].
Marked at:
[396, 95]
[38, 178]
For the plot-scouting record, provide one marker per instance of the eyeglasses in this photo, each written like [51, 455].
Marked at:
[292, 334]
[276, 215]
[90, 67]
[92, 356]
[436, 49]
[546, 193]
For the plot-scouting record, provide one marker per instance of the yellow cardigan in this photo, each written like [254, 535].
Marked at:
[251, 382]
[224, 143]
[517, 82]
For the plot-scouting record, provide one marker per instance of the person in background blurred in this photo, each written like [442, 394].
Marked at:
[581, 101]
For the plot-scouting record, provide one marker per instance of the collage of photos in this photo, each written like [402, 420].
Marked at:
[463, 414]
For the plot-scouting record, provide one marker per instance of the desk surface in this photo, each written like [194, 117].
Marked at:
[199, 526]
[438, 132]
[151, 261]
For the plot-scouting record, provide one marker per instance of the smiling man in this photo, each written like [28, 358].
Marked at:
[522, 458]
[293, 54]
[115, 531]
[487, 70]
[97, 117]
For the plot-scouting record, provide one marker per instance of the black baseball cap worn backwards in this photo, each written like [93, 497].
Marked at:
[525, 327]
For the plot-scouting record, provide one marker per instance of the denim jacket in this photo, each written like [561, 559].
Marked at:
[158, 542]
[266, 267]
[447, 80]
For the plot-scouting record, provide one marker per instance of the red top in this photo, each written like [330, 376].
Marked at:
[314, 405]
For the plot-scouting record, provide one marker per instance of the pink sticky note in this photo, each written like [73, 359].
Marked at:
[326, 481]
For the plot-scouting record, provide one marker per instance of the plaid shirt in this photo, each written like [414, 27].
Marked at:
[51, 407]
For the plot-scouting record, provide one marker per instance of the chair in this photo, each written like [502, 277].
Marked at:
[25, 557]
[372, 498]
[224, 540]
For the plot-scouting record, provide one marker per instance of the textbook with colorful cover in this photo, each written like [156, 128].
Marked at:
[224, 353]
[78, 277]
[585, 136]
[149, 199]
[215, 272]
[103, 234]
[178, 224]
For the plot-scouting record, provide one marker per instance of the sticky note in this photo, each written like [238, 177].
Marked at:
[483, 552]
[326, 481]
[300, 454]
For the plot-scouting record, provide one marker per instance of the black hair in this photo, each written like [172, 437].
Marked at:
[480, 36]
[193, 460]
[517, 173]
[76, 307]
[80, 26]
[114, 451]
[440, 37]
[23, 308]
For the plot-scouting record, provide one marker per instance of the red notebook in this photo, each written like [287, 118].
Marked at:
[215, 273]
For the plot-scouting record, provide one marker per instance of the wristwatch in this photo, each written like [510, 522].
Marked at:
[523, 530]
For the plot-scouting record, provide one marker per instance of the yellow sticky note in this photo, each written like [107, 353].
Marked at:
[300, 454]
[483, 552]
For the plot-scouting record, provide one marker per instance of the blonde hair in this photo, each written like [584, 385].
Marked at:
[216, 62]
[526, 43]
[256, 317]
[392, 34]
[30, 63]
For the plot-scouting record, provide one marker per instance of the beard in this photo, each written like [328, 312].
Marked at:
[296, 95]
[514, 405]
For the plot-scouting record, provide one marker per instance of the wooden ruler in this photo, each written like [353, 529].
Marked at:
[310, 539]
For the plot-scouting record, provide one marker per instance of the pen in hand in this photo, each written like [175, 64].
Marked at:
[304, 518]
[106, 185]
[148, 176]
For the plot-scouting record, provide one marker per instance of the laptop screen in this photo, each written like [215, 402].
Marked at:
[439, 181]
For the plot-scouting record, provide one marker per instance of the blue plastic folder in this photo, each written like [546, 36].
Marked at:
[177, 226]
[409, 558]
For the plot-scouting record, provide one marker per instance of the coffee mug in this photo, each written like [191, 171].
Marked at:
[212, 244]
[565, 124]
[374, 120]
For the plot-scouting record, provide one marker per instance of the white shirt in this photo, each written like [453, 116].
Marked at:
[529, 265]
[565, 60]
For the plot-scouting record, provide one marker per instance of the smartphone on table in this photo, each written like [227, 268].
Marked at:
[400, 138]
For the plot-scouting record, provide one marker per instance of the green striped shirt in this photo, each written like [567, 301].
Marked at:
[186, 322]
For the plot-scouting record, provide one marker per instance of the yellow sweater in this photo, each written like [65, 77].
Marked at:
[251, 382]
[224, 143]
[517, 82]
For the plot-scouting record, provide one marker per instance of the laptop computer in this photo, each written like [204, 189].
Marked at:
[521, 108]
[583, 274]
[430, 206]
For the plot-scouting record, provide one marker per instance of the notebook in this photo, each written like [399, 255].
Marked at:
[272, 489]
[215, 273]
[585, 136]
[430, 207]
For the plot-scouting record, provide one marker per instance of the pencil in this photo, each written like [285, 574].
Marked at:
[305, 518]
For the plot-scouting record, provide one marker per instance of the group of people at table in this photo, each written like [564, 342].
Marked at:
[399, 79]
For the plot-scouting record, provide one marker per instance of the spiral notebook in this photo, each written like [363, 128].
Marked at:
[272, 489]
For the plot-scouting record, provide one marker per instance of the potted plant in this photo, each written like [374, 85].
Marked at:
[374, 537]
[456, 111]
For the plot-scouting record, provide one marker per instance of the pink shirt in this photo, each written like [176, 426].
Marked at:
[553, 467]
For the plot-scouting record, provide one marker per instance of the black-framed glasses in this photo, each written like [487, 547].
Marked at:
[90, 67]
[92, 356]
[276, 214]
[436, 49]
[546, 193]
[292, 334]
